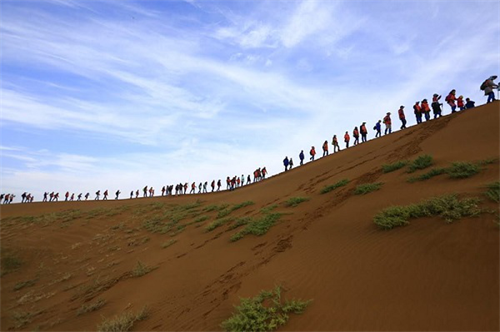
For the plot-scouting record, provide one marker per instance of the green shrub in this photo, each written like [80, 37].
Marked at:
[91, 307]
[448, 207]
[226, 211]
[430, 174]
[257, 227]
[10, 262]
[217, 223]
[168, 243]
[27, 283]
[294, 201]
[462, 170]
[387, 168]
[141, 269]
[366, 188]
[122, 322]
[269, 208]
[421, 162]
[200, 219]
[493, 192]
[265, 312]
[331, 187]
[240, 222]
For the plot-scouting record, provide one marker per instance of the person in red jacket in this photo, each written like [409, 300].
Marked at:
[388, 123]
[312, 153]
[335, 144]
[325, 148]
[460, 103]
[363, 131]
[402, 117]
[426, 109]
[450, 99]
[355, 134]
[346, 139]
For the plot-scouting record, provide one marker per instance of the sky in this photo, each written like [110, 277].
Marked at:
[106, 94]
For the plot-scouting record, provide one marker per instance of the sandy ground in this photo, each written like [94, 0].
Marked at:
[427, 276]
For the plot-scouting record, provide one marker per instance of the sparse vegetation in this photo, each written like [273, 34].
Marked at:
[215, 207]
[269, 208]
[85, 308]
[426, 176]
[448, 207]
[366, 188]
[168, 243]
[264, 312]
[22, 318]
[226, 211]
[488, 161]
[10, 262]
[200, 219]
[462, 170]
[122, 322]
[294, 201]
[23, 284]
[493, 192]
[257, 227]
[240, 222]
[332, 187]
[421, 162]
[141, 269]
[217, 223]
[387, 168]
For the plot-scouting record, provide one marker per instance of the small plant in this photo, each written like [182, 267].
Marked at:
[264, 312]
[240, 222]
[366, 188]
[167, 244]
[226, 211]
[200, 219]
[85, 308]
[10, 262]
[22, 284]
[21, 318]
[387, 168]
[269, 208]
[217, 223]
[462, 170]
[141, 269]
[448, 207]
[426, 176]
[332, 187]
[493, 192]
[294, 201]
[488, 161]
[215, 207]
[421, 162]
[257, 227]
[123, 322]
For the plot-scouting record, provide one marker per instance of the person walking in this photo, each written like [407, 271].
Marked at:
[402, 117]
[72, 198]
[87, 196]
[218, 185]
[378, 129]
[355, 134]
[45, 194]
[469, 103]
[460, 102]
[312, 153]
[363, 131]
[488, 86]
[205, 187]
[417, 110]
[97, 194]
[436, 106]
[388, 123]
[426, 110]
[450, 99]
[145, 191]
[325, 148]
[118, 192]
[137, 193]
[199, 188]
[291, 163]
[212, 185]
[346, 139]
[79, 197]
[335, 143]
[301, 157]
[131, 194]
[193, 188]
[105, 195]
[286, 162]
[66, 196]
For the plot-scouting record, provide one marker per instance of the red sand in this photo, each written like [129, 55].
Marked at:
[429, 275]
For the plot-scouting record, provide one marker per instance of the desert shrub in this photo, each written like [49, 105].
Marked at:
[366, 188]
[387, 168]
[22, 284]
[168, 243]
[217, 223]
[141, 269]
[122, 322]
[294, 201]
[493, 192]
[462, 170]
[240, 222]
[448, 207]
[200, 219]
[215, 207]
[421, 162]
[22, 318]
[85, 308]
[269, 208]
[332, 187]
[10, 262]
[258, 226]
[264, 312]
[430, 174]
[226, 211]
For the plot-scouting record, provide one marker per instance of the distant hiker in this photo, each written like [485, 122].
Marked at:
[212, 185]
[23, 197]
[402, 117]
[66, 196]
[426, 110]
[418, 112]
[145, 191]
[6, 198]
[285, 163]
[388, 123]
[163, 189]
[346, 139]
[291, 163]
[335, 143]
[363, 131]
[45, 194]
[205, 187]
[325, 148]
[79, 197]
[469, 103]
[193, 188]
[151, 192]
[460, 102]
[355, 134]
[312, 153]
[97, 194]
[301, 157]
[450, 99]
[137, 193]
[436, 105]
[105, 195]
[264, 172]
[185, 187]
[118, 192]
[72, 198]
[249, 179]
[87, 196]
[242, 180]
[199, 188]
[219, 184]
[378, 129]
[131, 194]
[488, 86]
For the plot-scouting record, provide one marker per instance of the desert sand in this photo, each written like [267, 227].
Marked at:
[427, 276]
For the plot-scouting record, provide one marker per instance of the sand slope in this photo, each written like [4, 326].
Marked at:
[429, 275]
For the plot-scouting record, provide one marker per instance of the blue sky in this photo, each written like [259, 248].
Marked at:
[122, 94]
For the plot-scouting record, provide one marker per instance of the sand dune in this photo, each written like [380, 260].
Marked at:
[429, 275]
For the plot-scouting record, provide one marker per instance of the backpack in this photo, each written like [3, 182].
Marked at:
[447, 99]
[483, 86]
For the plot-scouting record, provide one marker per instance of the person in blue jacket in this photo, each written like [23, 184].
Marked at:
[301, 157]
[378, 129]
[286, 163]
[469, 103]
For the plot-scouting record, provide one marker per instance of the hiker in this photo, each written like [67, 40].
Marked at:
[45, 194]
[363, 131]
[387, 122]
[335, 144]
[145, 191]
[212, 185]
[291, 163]
[205, 187]
[436, 106]
[418, 112]
[426, 110]
[312, 153]
[219, 184]
[325, 148]
[193, 188]
[249, 179]
[6, 198]
[460, 102]
[346, 139]
[264, 172]
[469, 103]
[402, 117]
[23, 197]
[87, 196]
[72, 198]
[242, 180]
[355, 134]
[131, 194]
[151, 192]
[301, 157]
[286, 162]
[163, 189]
[378, 129]
[488, 86]
[97, 194]
[199, 188]
[450, 99]
[118, 192]
[238, 182]
[56, 197]
[79, 197]
[137, 193]
[66, 196]
[185, 188]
